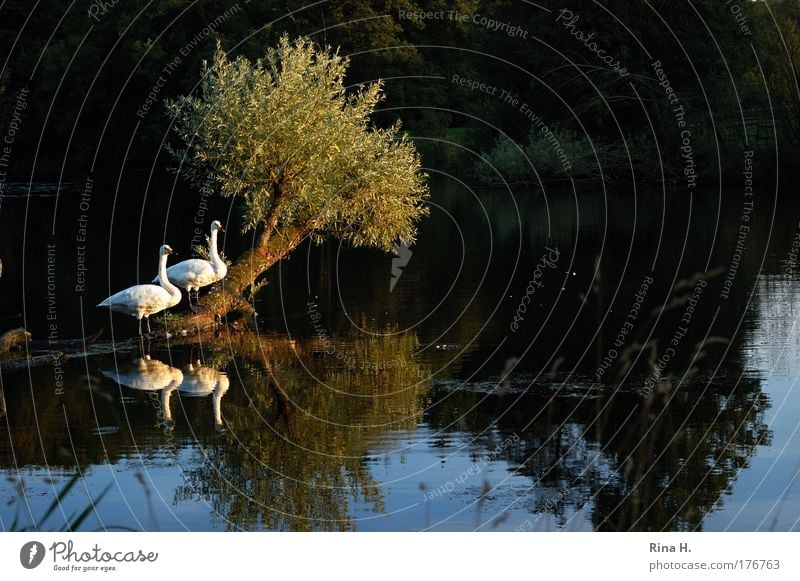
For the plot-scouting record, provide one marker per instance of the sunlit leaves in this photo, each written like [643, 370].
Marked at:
[286, 136]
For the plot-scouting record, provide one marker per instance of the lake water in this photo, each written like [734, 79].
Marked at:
[580, 360]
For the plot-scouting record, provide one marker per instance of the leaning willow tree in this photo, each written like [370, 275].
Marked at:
[285, 136]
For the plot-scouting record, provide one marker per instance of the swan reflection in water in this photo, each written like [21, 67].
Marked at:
[151, 375]
[145, 374]
[199, 381]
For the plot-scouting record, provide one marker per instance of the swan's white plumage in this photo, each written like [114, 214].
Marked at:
[195, 273]
[143, 300]
[146, 374]
[199, 381]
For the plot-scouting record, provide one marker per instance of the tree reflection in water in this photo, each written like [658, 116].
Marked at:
[273, 433]
[624, 461]
[293, 455]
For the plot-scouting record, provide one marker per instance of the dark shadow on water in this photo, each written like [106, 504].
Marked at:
[392, 386]
[302, 431]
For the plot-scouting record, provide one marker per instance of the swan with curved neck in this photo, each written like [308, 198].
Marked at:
[143, 300]
[195, 273]
[200, 381]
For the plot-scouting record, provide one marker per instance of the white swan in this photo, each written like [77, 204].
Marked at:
[144, 300]
[146, 374]
[166, 410]
[199, 381]
[219, 391]
[195, 273]
[151, 375]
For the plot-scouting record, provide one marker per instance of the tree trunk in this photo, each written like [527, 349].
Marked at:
[229, 296]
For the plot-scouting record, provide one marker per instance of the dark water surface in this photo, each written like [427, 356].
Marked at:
[439, 404]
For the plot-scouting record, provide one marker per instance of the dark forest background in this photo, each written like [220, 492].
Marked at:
[90, 66]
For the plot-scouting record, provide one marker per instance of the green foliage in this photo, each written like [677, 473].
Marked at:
[202, 250]
[284, 135]
[377, 379]
[98, 73]
[72, 523]
[521, 163]
[566, 154]
[780, 66]
[507, 159]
